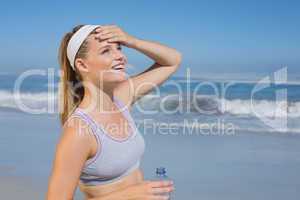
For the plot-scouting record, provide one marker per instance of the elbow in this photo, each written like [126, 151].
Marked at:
[178, 58]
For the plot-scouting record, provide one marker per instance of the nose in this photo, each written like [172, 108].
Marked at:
[120, 56]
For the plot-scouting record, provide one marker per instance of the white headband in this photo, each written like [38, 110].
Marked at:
[76, 41]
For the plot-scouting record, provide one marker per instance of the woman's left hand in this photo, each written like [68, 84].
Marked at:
[113, 33]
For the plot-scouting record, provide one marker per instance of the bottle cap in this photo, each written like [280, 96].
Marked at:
[160, 170]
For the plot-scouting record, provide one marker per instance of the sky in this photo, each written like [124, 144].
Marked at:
[213, 36]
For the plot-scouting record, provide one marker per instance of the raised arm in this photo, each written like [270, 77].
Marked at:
[166, 62]
[72, 150]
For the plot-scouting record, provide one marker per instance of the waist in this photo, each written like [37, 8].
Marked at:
[92, 191]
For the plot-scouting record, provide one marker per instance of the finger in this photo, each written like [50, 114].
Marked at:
[114, 39]
[98, 29]
[107, 27]
[104, 32]
[161, 190]
[161, 183]
[101, 36]
[159, 197]
[108, 35]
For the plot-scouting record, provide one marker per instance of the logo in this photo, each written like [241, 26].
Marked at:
[278, 117]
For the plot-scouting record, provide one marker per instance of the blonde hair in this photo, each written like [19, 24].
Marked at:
[71, 90]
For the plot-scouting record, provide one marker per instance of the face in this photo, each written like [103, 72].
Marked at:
[104, 63]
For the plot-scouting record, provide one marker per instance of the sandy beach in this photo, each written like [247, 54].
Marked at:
[19, 188]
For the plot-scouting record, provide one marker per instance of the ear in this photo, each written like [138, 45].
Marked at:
[81, 65]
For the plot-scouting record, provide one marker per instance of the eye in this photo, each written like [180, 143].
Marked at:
[105, 51]
[119, 48]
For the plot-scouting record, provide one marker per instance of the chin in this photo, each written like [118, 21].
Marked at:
[115, 76]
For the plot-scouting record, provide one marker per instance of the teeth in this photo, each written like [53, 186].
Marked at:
[117, 67]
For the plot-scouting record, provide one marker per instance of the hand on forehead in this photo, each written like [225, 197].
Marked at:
[97, 42]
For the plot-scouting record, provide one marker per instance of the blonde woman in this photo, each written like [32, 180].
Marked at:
[97, 95]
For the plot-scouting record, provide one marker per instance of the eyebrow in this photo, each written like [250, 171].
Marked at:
[104, 46]
[107, 45]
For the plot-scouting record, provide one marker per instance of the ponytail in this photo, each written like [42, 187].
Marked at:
[71, 90]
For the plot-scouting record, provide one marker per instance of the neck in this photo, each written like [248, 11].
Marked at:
[99, 99]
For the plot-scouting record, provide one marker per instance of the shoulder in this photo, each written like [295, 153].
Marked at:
[76, 133]
[75, 127]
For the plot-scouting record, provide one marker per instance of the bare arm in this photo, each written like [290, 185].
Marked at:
[166, 62]
[166, 59]
[72, 150]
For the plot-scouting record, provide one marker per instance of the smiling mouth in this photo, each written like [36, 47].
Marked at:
[119, 67]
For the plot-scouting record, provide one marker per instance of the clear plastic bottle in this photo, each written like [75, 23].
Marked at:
[161, 175]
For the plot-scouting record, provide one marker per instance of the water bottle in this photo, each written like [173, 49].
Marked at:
[160, 175]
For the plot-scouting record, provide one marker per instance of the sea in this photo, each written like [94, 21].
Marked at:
[217, 139]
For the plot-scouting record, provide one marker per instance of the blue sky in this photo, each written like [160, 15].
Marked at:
[214, 36]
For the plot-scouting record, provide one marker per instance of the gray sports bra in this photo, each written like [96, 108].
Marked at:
[115, 158]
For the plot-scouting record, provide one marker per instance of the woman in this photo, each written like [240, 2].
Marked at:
[97, 93]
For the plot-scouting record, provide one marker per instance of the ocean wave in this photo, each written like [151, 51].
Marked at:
[27, 102]
[210, 105]
[261, 108]
[201, 104]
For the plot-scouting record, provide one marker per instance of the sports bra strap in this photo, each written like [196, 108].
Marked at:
[124, 109]
[93, 126]
[87, 119]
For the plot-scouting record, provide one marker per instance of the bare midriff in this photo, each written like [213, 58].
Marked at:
[101, 190]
